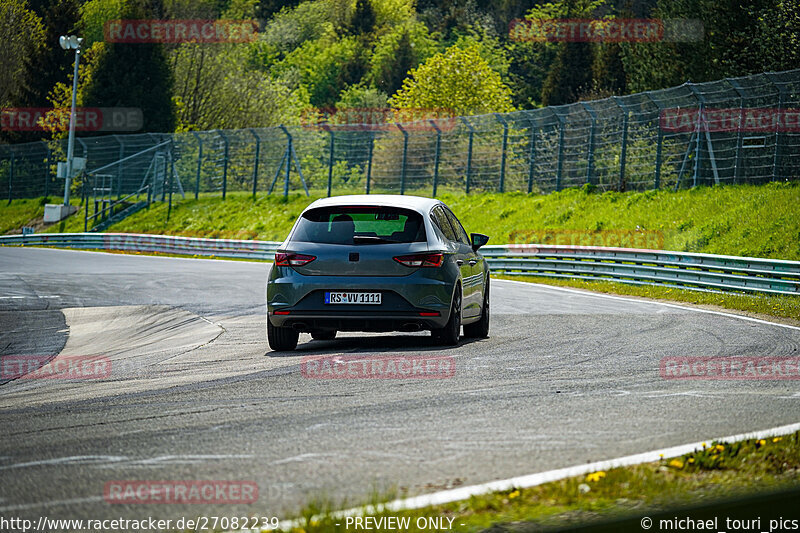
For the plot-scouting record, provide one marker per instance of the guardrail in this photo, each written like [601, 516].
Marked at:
[650, 267]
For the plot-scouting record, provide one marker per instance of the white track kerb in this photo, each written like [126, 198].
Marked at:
[532, 480]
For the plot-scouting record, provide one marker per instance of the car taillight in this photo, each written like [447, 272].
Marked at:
[292, 260]
[420, 260]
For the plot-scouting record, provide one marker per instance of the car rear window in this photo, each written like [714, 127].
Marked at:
[360, 225]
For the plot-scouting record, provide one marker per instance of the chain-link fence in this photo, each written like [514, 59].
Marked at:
[742, 130]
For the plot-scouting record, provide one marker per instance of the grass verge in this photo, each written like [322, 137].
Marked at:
[717, 471]
[746, 220]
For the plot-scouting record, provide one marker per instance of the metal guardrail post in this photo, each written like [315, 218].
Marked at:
[659, 142]
[199, 164]
[255, 160]
[224, 162]
[405, 158]
[532, 152]
[624, 152]
[502, 120]
[436, 155]
[469, 152]
[590, 155]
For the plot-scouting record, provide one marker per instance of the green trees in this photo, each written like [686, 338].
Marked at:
[458, 79]
[22, 34]
[134, 75]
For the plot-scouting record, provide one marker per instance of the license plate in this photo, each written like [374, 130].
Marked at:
[353, 298]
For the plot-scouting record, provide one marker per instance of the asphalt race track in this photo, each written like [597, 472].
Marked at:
[195, 393]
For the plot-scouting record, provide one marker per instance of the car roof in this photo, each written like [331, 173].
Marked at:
[416, 203]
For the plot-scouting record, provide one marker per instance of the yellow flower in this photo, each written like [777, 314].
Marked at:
[777, 439]
[596, 476]
[513, 495]
[719, 448]
[760, 442]
[676, 463]
[691, 460]
[704, 445]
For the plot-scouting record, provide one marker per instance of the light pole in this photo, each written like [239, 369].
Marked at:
[71, 42]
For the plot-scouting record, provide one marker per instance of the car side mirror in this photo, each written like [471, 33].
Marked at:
[478, 240]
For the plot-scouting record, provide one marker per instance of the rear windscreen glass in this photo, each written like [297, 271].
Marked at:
[360, 225]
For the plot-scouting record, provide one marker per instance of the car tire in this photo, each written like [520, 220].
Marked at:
[450, 333]
[281, 339]
[480, 329]
[328, 335]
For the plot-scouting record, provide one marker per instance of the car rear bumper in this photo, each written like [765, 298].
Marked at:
[299, 301]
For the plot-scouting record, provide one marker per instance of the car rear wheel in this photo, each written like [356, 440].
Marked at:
[281, 339]
[480, 329]
[323, 335]
[450, 333]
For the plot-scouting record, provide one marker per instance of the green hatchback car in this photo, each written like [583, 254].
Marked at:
[377, 263]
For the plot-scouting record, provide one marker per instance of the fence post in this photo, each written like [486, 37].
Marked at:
[505, 147]
[85, 150]
[659, 142]
[369, 161]
[120, 165]
[289, 149]
[171, 171]
[701, 123]
[532, 155]
[590, 155]
[436, 155]
[330, 158]
[255, 160]
[562, 122]
[738, 157]
[624, 151]
[224, 163]
[777, 120]
[199, 163]
[47, 173]
[405, 158]
[469, 151]
[11, 174]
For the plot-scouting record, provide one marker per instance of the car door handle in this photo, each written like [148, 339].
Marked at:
[473, 262]
[459, 262]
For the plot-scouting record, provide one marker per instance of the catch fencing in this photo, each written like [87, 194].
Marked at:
[625, 265]
[737, 130]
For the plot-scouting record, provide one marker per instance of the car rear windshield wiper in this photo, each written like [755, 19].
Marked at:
[372, 239]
